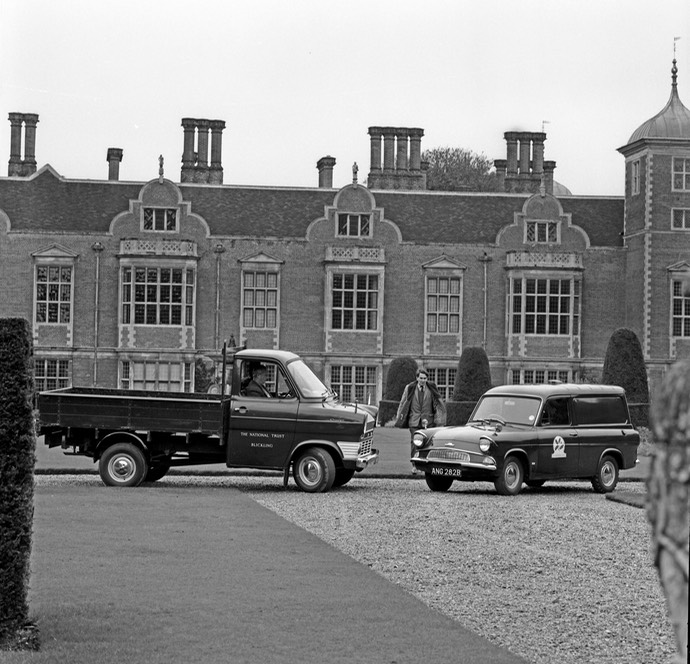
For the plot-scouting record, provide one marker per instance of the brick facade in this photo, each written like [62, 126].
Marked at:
[130, 283]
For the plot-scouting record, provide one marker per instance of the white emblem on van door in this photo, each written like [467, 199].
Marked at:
[558, 448]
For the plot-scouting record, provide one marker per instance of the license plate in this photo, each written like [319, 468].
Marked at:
[448, 472]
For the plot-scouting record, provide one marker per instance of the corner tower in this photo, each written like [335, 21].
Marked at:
[657, 232]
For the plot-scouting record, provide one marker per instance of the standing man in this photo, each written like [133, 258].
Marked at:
[421, 406]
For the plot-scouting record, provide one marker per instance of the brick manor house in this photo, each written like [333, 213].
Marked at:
[127, 284]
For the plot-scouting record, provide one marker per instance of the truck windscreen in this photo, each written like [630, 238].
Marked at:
[307, 382]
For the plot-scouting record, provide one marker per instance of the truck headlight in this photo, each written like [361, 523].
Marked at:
[485, 444]
[419, 440]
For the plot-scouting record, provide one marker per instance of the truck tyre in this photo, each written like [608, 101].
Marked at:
[157, 470]
[342, 476]
[314, 470]
[606, 478]
[509, 482]
[123, 464]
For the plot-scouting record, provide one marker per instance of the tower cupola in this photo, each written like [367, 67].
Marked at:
[672, 122]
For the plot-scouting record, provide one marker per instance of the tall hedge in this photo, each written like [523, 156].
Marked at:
[474, 374]
[403, 370]
[17, 460]
[624, 366]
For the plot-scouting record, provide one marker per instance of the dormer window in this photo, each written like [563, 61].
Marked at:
[159, 219]
[541, 232]
[354, 225]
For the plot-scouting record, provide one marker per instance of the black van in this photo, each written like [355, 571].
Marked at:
[532, 433]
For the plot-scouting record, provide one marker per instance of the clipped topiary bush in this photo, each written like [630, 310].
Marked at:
[624, 366]
[17, 460]
[204, 373]
[403, 370]
[474, 375]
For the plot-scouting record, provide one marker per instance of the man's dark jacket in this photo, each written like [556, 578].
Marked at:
[437, 406]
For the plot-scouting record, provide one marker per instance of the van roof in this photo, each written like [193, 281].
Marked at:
[544, 390]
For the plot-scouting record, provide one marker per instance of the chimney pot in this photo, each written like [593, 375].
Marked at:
[325, 166]
[114, 157]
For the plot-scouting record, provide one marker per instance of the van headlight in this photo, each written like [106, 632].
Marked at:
[485, 444]
[419, 440]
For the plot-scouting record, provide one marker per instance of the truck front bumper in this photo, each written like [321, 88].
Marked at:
[367, 459]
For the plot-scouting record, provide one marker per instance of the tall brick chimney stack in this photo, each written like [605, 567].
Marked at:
[188, 157]
[16, 165]
[402, 166]
[114, 157]
[325, 166]
[524, 168]
[215, 174]
[195, 164]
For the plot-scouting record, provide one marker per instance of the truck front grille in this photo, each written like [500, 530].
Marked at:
[365, 445]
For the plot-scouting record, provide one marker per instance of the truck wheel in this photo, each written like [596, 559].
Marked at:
[123, 464]
[438, 482]
[509, 482]
[606, 478]
[157, 470]
[342, 477]
[314, 471]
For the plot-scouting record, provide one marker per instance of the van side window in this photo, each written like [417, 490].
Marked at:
[600, 410]
[555, 413]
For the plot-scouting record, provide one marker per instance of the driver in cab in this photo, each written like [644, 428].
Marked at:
[256, 386]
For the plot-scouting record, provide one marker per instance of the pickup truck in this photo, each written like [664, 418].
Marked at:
[297, 423]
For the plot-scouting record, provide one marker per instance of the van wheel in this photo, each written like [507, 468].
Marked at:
[342, 477]
[123, 464]
[438, 482]
[606, 478]
[509, 483]
[314, 470]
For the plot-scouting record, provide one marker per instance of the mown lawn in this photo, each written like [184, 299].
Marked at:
[132, 576]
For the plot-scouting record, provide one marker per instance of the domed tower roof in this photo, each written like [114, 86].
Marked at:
[673, 121]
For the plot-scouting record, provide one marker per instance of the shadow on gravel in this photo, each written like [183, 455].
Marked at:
[628, 498]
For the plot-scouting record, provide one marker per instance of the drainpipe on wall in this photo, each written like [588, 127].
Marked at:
[485, 259]
[219, 250]
[97, 248]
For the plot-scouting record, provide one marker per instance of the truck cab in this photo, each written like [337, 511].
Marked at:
[295, 412]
